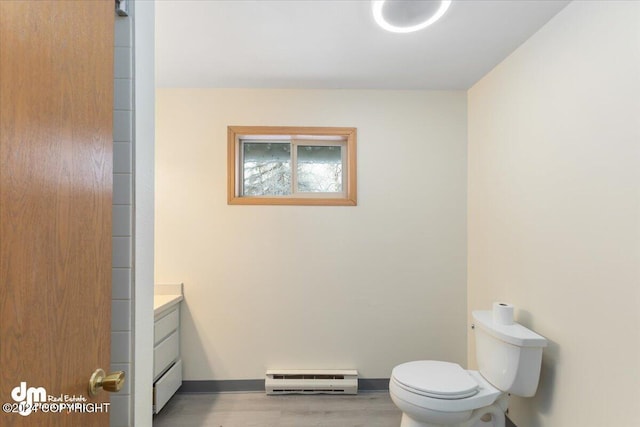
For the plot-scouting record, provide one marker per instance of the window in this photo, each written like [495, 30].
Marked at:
[291, 166]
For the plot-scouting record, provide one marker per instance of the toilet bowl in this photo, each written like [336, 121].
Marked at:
[432, 393]
[435, 393]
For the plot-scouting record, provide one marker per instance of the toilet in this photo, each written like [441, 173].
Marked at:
[432, 393]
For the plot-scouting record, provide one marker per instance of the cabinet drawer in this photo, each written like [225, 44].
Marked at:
[165, 353]
[165, 325]
[166, 386]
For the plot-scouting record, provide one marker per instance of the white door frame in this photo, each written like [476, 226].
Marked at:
[143, 170]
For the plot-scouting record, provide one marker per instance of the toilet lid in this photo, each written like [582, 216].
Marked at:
[441, 380]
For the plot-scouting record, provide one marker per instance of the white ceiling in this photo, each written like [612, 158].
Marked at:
[335, 44]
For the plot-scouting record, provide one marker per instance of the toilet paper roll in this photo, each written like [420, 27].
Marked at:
[503, 313]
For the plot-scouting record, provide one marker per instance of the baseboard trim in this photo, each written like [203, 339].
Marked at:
[221, 386]
[240, 386]
[373, 384]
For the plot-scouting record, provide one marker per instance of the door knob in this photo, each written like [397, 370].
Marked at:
[100, 381]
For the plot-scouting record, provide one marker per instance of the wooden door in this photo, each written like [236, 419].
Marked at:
[56, 103]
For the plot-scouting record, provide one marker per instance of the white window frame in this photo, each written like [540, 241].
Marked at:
[296, 136]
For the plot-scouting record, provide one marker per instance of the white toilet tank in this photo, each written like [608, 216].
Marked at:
[509, 356]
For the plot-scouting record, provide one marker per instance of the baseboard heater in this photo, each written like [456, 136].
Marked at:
[314, 381]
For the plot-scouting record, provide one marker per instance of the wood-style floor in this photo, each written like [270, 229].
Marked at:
[367, 409]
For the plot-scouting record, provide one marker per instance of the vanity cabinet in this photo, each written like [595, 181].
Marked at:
[167, 365]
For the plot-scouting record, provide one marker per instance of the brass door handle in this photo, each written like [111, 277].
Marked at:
[99, 381]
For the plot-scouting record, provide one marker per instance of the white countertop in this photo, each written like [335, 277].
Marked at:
[165, 297]
[162, 302]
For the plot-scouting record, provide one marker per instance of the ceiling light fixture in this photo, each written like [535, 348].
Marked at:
[378, 15]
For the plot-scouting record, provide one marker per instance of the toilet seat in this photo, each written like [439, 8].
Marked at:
[435, 379]
[485, 394]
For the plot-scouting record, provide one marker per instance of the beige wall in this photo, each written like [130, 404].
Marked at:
[554, 216]
[363, 287]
